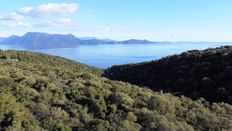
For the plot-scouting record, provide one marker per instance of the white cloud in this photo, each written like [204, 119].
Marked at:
[16, 24]
[107, 29]
[3, 35]
[62, 21]
[50, 9]
[114, 29]
[11, 16]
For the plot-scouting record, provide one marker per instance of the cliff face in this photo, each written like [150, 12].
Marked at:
[195, 74]
[45, 92]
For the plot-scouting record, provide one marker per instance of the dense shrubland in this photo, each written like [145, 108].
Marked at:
[45, 92]
[195, 74]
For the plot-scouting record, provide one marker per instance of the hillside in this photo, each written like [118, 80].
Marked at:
[195, 74]
[45, 92]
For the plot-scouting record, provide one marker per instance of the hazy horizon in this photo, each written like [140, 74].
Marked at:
[112, 39]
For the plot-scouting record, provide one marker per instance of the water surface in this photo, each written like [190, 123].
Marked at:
[104, 56]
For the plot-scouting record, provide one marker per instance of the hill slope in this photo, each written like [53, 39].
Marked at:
[45, 92]
[195, 74]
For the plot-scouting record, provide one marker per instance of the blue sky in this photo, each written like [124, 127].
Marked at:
[157, 20]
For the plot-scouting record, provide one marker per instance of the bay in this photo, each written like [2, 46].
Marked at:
[104, 56]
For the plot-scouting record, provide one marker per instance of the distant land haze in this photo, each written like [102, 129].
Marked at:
[2, 39]
[37, 40]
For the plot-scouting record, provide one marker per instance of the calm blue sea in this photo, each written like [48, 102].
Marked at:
[104, 56]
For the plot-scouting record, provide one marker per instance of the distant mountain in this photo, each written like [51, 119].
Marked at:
[134, 41]
[2, 39]
[36, 40]
[93, 40]
[11, 40]
[87, 38]
[96, 41]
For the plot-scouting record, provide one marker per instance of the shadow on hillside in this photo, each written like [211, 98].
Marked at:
[195, 74]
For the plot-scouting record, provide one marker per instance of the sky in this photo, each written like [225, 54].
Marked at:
[156, 20]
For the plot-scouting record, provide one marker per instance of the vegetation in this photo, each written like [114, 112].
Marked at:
[195, 74]
[43, 92]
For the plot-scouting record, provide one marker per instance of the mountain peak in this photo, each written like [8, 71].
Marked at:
[14, 36]
[38, 40]
[46, 34]
[35, 33]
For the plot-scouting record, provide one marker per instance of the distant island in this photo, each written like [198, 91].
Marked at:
[37, 40]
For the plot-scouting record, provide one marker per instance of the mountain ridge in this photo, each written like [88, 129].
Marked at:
[38, 40]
